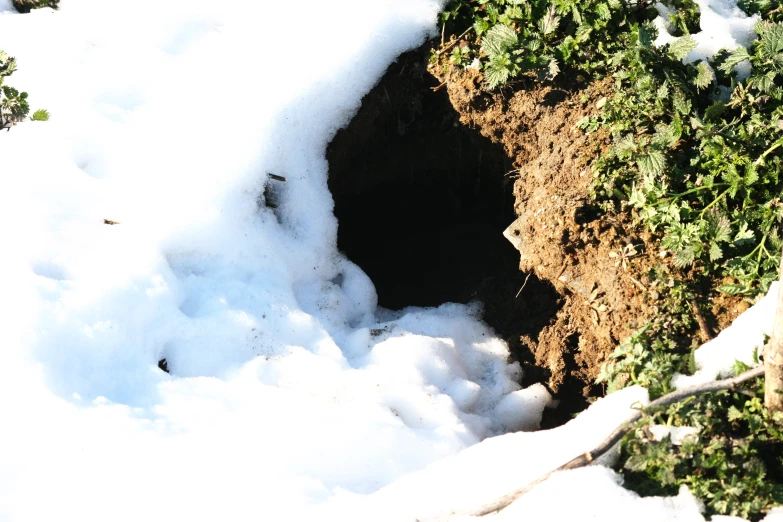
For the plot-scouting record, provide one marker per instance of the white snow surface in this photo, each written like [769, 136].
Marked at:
[723, 26]
[290, 396]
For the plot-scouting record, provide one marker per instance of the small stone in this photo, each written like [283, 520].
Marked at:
[600, 103]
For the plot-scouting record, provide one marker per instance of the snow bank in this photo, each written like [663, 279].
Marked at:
[285, 386]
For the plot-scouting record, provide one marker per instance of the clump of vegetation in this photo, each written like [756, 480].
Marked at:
[685, 16]
[699, 169]
[694, 159]
[734, 461]
[661, 347]
[538, 38]
[25, 6]
[13, 104]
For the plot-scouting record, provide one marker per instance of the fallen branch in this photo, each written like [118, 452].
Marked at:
[617, 435]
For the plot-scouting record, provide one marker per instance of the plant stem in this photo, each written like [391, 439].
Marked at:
[720, 196]
[774, 146]
[675, 197]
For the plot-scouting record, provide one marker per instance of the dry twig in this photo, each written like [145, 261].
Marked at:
[616, 436]
[705, 330]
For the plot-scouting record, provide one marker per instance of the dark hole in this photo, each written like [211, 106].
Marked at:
[421, 200]
[554, 97]
[163, 365]
[587, 213]
[422, 203]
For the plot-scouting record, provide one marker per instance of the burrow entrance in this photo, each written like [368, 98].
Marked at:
[422, 202]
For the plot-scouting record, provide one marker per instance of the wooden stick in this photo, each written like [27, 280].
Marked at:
[608, 443]
[773, 357]
[705, 330]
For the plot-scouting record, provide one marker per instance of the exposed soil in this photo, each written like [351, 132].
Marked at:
[433, 170]
[557, 233]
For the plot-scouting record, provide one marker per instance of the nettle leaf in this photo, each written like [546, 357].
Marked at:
[681, 104]
[604, 13]
[663, 91]
[548, 24]
[636, 463]
[40, 115]
[732, 177]
[765, 82]
[704, 75]
[653, 163]
[685, 256]
[772, 39]
[715, 252]
[681, 47]
[497, 40]
[665, 136]
[714, 110]
[751, 174]
[647, 33]
[625, 145]
[576, 15]
[737, 56]
[552, 69]
[732, 289]
[723, 230]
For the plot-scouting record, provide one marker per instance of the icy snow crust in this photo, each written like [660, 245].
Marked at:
[291, 396]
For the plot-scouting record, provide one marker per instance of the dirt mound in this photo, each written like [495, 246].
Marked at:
[557, 234]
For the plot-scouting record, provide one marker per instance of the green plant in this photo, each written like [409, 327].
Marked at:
[771, 10]
[734, 464]
[40, 115]
[702, 173]
[661, 347]
[685, 17]
[13, 104]
[25, 6]
[537, 38]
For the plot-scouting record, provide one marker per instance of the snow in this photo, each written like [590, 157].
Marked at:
[292, 396]
[723, 26]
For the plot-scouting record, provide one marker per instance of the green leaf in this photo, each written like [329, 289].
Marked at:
[636, 463]
[772, 39]
[40, 115]
[681, 104]
[652, 164]
[548, 24]
[497, 40]
[737, 56]
[704, 75]
[714, 110]
[681, 47]
[715, 252]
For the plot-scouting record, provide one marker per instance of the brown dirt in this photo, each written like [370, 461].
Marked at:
[560, 240]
